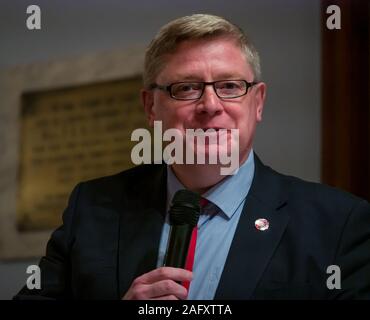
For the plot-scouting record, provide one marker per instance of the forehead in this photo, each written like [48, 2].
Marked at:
[205, 59]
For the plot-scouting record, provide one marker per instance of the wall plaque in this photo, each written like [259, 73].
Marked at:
[71, 135]
[61, 122]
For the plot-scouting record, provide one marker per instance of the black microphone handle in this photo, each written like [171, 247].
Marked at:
[178, 246]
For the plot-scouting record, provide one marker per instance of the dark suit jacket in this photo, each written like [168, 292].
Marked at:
[112, 226]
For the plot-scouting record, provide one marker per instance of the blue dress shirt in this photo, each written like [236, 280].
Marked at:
[216, 227]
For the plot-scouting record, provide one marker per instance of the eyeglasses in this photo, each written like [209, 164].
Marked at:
[225, 89]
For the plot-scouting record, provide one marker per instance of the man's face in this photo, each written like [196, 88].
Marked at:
[207, 60]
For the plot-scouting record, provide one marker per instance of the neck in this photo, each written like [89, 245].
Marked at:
[200, 177]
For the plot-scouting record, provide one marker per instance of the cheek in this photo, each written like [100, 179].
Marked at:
[246, 122]
[161, 110]
[171, 115]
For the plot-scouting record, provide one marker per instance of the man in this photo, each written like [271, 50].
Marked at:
[263, 235]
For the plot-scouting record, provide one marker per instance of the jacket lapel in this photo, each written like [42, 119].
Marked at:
[141, 222]
[252, 249]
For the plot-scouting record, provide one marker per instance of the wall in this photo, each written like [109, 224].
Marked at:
[287, 34]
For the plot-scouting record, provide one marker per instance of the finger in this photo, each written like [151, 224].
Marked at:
[165, 273]
[166, 287]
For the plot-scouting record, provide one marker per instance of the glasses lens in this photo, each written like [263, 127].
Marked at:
[187, 90]
[230, 89]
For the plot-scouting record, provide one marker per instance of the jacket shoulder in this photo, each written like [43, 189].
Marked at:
[318, 193]
[128, 181]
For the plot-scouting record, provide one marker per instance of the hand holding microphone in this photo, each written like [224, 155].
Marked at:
[164, 283]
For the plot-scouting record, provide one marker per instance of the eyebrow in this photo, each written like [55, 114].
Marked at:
[223, 76]
[180, 78]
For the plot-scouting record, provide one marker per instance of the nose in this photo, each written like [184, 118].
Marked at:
[209, 102]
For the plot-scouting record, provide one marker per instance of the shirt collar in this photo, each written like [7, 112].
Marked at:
[228, 194]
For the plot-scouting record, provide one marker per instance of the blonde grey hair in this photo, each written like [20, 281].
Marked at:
[196, 26]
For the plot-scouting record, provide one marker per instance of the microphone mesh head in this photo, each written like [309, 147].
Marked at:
[185, 208]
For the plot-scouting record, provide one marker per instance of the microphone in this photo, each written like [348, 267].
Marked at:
[184, 214]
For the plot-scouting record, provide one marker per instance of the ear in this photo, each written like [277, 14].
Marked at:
[147, 100]
[260, 95]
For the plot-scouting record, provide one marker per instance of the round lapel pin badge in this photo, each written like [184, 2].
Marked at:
[261, 224]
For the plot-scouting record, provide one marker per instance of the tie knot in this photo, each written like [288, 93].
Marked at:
[203, 202]
[208, 208]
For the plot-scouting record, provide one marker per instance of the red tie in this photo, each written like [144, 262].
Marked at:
[191, 252]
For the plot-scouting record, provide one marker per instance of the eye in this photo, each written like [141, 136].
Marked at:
[229, 85]
[185, 87]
